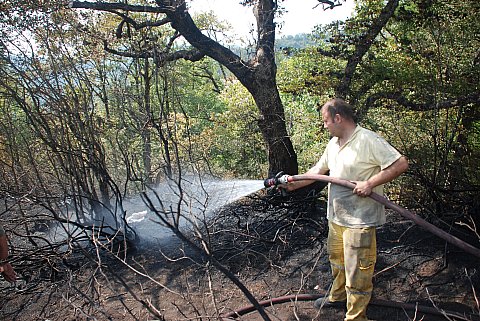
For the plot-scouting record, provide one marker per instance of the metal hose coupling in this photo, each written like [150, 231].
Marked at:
[279, 179]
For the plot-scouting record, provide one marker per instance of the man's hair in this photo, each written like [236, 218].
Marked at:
[341, 107]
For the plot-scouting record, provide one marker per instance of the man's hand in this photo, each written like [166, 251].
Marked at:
[362, 188]
[8, 272]
[284, 189]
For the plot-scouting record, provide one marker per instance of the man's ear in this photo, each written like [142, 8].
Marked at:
[337, 118]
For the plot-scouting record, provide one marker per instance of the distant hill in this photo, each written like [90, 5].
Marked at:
[286, 44]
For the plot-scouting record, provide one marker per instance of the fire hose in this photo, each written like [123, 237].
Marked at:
[378, 302]
[284, 179]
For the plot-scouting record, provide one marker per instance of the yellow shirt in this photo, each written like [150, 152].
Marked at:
[361, 157]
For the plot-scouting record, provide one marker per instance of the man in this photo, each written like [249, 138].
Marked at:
[5, 268]
[361, 156]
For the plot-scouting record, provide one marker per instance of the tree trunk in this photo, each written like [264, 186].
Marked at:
[281, 155]
[146, 135]
[258, 75]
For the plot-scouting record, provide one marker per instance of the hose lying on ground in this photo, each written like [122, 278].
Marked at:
[378, 302]
[386, 303]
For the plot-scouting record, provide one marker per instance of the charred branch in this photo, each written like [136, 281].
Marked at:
[205, 254]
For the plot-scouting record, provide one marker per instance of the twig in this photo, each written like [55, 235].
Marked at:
[399, 262]
[436, 307]
[473, 290]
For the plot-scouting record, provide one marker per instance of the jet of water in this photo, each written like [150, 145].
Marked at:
[200, 199]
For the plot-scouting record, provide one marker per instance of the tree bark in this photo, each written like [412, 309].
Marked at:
[281, 155]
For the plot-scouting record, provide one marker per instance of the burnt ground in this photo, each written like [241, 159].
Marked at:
[275, 247]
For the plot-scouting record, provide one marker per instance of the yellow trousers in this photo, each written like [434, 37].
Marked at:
[352, 253]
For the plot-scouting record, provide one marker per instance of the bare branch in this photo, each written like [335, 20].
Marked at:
[191, 55]
[363, 45]
[329, 4]
[137, 25]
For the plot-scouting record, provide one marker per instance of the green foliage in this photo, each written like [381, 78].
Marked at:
[425, 57]
[474, 136]
[199, 85]
[443, 167]
[233, 146]
[305, 128]
[292, 42]
[308, 72]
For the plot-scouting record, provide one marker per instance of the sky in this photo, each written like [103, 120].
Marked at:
[301, 15]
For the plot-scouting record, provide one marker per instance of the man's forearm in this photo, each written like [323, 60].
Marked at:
[389, 173]
[299, 184]
[364, 188]
[296, 185]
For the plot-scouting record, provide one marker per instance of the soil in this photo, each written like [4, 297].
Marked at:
[273, 245]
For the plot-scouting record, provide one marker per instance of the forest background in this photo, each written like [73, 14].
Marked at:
[101, 101]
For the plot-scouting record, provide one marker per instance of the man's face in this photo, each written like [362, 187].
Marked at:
[330, 123]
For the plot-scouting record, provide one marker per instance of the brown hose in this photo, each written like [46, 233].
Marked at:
[283, 299]
[385, 303]
[402, 211]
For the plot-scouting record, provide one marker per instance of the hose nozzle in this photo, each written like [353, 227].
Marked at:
[280, 178]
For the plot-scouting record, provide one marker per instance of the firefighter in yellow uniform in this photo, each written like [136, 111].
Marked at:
[363, 157]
